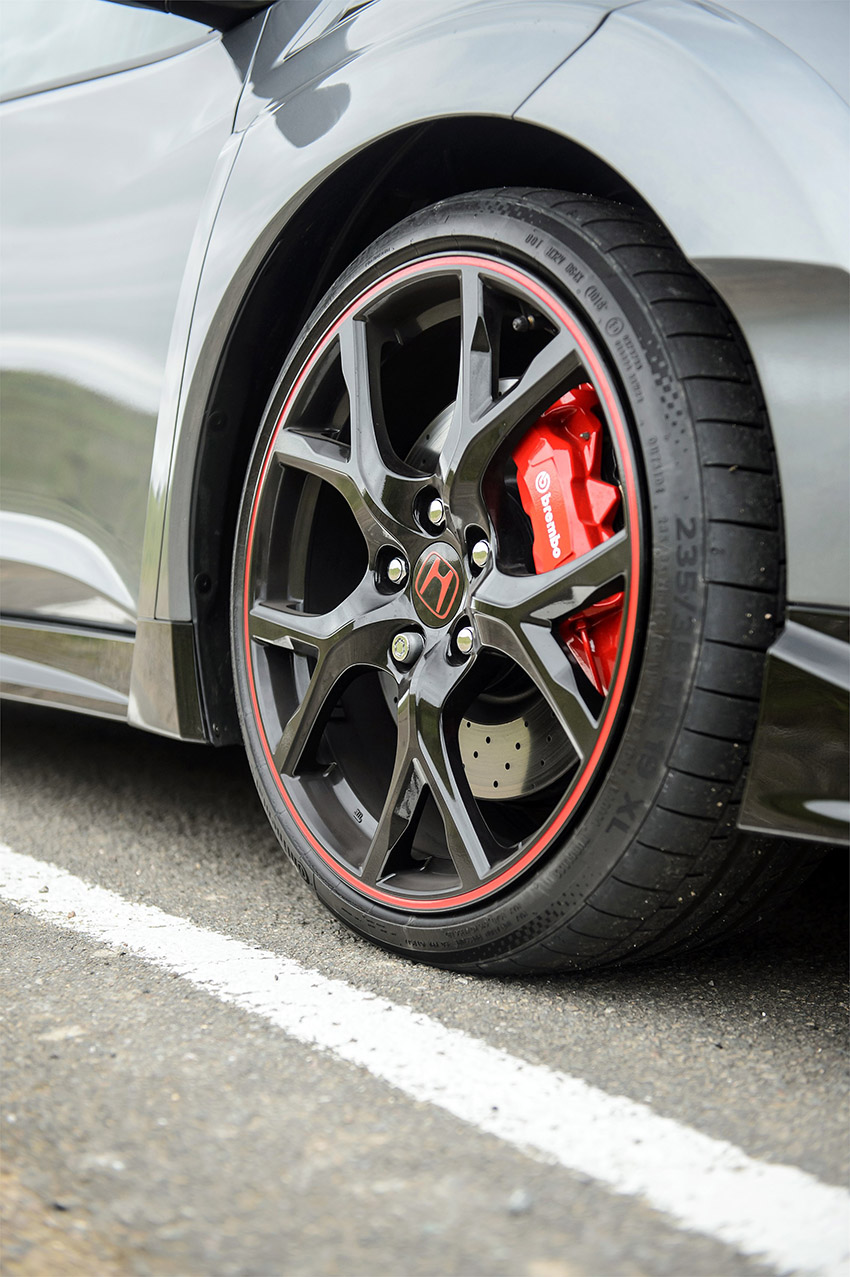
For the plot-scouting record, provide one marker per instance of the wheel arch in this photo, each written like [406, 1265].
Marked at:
[363, 197]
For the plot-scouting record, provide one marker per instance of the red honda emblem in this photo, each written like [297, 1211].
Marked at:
[437, 585]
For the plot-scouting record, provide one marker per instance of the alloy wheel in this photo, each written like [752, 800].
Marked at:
[441, 587]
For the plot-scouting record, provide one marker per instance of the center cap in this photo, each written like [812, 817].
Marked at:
[437, 585]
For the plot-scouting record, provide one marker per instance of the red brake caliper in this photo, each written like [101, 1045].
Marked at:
[572, 510]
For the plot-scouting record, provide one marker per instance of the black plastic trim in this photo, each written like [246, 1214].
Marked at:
[799, 780]
[164, 694]
[220, 14]
[66, 666]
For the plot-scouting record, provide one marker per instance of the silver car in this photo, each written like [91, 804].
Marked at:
[447, 400]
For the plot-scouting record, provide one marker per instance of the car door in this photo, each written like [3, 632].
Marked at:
[112, 120]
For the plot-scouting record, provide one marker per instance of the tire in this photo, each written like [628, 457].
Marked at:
[494, 733]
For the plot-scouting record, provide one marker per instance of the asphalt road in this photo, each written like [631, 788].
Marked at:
[148, 1127]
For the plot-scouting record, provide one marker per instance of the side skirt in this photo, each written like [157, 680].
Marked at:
[65, 666]
[148, 678]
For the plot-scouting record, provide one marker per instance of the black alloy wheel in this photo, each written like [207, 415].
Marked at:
[445, 595]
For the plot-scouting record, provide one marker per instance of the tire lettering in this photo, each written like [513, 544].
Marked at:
[663, 533]
[647, 762]
[656, 464]
[627, 351]
[295, 862]
[595, 297]
[629, 809]
[686, 530]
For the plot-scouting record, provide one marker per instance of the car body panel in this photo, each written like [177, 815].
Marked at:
[797, 320]
[775, 246]
[163, 694]
[744, 104]
[817, 31]
[97, 230]
[755, 255]
[68, 667]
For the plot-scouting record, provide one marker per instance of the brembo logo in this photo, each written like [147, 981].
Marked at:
[543, 483]
[437, 584]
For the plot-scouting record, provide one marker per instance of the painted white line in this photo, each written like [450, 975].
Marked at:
[777, 1214]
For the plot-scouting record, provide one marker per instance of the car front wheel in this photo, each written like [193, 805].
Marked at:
[508, 560]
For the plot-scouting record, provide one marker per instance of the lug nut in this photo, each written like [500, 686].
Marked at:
[464, 640]
[436, 512]
[406, 648]
[396, 571]
[480, 553]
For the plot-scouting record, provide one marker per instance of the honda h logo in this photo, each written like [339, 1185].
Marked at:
[437, 584]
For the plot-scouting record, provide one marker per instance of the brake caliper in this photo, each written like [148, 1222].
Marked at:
[572, 510]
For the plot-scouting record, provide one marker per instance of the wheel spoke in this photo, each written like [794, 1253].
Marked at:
[473, 441]
[422, 763]
[366, 456]
[307, 723]
[294, 631]
[476, 376]
[364, 645]
[354, 635]
[466, 834]
[331, 461]
[380, 480]
[325, 458]
[552, 595]
[478, 350]
[405, 790]
[309, 632]
[466, 838]
[537, 652]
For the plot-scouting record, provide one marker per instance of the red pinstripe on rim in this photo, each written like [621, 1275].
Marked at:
[615, 421]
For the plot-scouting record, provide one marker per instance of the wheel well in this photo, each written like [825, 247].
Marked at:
[364, 197]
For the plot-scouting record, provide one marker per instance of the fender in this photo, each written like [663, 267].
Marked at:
[360, 80]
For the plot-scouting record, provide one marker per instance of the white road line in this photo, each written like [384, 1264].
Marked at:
[777, 1214]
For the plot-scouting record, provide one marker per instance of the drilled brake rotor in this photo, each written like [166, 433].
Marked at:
[516, 757]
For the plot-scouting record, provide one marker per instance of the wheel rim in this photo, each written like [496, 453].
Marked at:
[359, 537]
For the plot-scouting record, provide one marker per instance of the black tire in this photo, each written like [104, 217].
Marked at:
[631, 848]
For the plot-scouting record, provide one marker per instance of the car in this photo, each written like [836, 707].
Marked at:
[448, 402]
